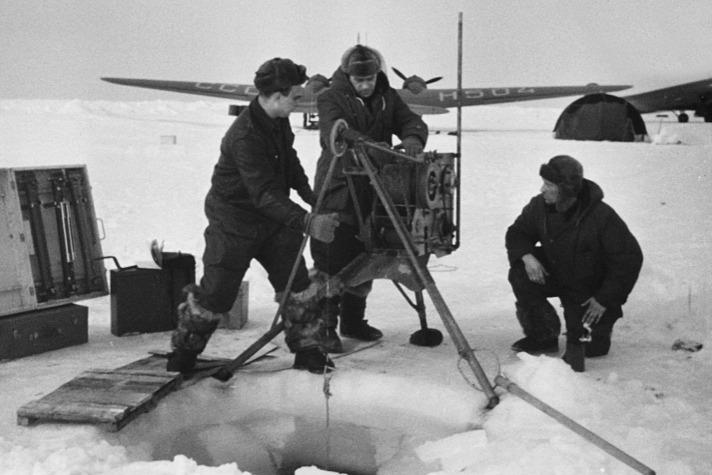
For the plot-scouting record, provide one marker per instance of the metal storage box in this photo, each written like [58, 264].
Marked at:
[146, 300]
[42, 330]
[49, 239]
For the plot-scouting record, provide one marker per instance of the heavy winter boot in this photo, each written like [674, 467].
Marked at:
[600, 341]
[353, 324]
[532, 346]
[304, 326]
[313, 360]
[541, 326]
[195, 326]
[181, 360]
[574, 355]
[330, 341]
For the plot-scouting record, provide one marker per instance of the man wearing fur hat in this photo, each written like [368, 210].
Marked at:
[250, 216]
[361, 95]
[568, 243]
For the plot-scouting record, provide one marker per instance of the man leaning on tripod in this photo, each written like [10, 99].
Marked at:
[361, 95]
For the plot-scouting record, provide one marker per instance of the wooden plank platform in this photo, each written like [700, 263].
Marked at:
[111, 398]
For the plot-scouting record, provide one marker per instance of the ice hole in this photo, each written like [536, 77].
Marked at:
[274, 423]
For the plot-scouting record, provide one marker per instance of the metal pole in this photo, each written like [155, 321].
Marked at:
[303, 245]
[573, 425]
[459, 125]
[226, 372]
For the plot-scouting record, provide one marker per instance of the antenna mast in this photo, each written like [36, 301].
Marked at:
[459, 119]
[459, 82]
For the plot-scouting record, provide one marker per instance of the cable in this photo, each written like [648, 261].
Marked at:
[470, 382]
[326, 388]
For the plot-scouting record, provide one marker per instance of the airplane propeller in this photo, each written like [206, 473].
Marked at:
[415, 84]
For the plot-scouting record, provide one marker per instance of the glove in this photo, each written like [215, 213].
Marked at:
[411, 145]
[321, 226]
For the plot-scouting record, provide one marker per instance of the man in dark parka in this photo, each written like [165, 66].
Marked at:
[250, 216]
[361, 95]
[568, 243]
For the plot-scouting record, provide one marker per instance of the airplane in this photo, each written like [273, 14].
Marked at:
[696, 96]
[415, 93]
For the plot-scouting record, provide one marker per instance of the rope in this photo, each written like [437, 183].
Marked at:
[326, 388]
[468, 380]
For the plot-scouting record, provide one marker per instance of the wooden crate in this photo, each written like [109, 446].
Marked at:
[49, 239]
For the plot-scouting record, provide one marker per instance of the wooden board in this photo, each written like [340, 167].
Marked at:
[111, 398]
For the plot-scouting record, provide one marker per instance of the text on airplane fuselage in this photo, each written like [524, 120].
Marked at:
[482, 93]
[229, 88]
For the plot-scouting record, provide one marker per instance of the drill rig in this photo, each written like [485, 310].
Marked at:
[414, 213]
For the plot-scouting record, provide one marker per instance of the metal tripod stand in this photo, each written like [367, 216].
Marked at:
[402, 264]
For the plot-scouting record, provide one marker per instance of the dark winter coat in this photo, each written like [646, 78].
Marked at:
[591, 253]
[257, 168]
[387, 115]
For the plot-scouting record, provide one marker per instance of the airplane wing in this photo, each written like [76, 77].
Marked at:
[428, 101]
[447, 98]
[241, 92]
[237, 92]
[688, 96]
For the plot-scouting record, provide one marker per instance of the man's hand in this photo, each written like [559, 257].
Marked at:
[411, 145]
[321, 226]
[594, 312]
[535, 270]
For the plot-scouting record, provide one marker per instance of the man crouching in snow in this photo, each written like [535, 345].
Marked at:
[250, 216]
[586, 256]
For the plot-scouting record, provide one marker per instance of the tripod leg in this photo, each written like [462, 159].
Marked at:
[463, 346]
[425, 336]
[423, 275]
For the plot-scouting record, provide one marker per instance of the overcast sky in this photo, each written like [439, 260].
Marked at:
[60, 48]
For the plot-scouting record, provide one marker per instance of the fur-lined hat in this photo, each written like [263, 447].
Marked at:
[279, 75]
[361, 60]
[566, 172]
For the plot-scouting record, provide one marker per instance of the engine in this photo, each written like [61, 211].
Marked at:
[423, 196]
[422, 192]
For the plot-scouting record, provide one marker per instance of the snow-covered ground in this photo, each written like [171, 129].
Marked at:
[394, 408]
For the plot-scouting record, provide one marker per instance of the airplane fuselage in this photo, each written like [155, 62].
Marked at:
[695, 96]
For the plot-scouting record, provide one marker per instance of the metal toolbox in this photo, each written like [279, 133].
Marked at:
[37, 331]
[141, 301]
[145, 300]
[49, 239]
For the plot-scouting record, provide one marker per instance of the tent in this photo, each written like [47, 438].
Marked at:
[601, 117]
